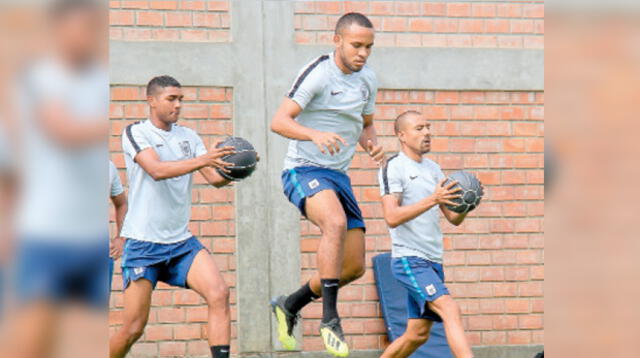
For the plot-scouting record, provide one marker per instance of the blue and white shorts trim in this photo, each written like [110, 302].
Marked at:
[424, 281]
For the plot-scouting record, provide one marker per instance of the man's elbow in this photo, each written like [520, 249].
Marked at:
[275, 126]
[391, 222]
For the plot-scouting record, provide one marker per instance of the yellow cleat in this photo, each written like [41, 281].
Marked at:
[333, 338]
[286, 322]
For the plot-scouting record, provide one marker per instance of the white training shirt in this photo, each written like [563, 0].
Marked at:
[420, 236]
[159, 211]
[331, 101]
[115, 184]
[63, 189]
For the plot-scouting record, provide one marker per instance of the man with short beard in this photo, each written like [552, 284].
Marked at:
[414, 192]
[327, 111]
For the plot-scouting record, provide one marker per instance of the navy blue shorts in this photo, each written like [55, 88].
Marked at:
[424, 281]
[63, 272]
[303, 182]
[169, 263]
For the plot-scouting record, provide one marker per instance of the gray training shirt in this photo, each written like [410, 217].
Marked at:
[331, 101]
[421, 236]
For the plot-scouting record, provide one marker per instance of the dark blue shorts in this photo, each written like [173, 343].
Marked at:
[424, 281]
[303, 182]
[169, 263]
[63, 272]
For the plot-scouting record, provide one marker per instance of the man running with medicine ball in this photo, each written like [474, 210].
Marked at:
[327, 111]
[414, 192]
[161, 156]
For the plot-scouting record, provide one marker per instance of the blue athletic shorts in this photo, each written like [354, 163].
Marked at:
[169, 263]
[303, 182]
[61, 272]
[424, 281]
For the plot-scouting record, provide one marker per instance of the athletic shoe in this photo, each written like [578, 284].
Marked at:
[333, 338]
[286, 322]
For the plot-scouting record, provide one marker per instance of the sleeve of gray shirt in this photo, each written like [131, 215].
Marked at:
[306, 85]
[390, 179]
[370, 107]
[114, 180]
[134, 141]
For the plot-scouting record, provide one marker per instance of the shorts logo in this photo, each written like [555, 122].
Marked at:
[138, 271]
[186, 148]
[431, 290]
[314, 184]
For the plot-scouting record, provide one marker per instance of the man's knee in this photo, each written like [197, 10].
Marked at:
[134, 330]
[218, 297]
[418, 335]
[353, 272]
[335, 226]
[445, 307]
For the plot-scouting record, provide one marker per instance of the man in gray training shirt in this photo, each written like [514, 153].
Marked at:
[327, 112]
[413, 194]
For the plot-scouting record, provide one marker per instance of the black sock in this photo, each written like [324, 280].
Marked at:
[329, 299]
[300, 298]
[220, 351]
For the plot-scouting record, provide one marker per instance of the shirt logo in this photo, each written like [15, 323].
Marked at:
[159, 145]
[412, 177]
[186, 148]
[431, 290]
[333, 93]
[314, 184]
[365, 92]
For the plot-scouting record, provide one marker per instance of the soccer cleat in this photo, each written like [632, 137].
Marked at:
[333, 338]
[286, 322]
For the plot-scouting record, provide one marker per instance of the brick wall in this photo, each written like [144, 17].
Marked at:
[513, 24]
[177, 322]
[494, 260]
[153, 20]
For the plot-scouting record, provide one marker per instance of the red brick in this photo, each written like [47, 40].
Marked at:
[505, 322]
[135, 4]
[494, 338]
[396, 24]
[434, 40]
[179, 19]
[485, 41]
[483, 10]
[381, 7]
[519, 337]
[218, 5]
[165, 35]
[192, 5]
[158, 333]
[163, 5]
[530, 289]
[126, 94]
[533, 10]
[120, 17]
[206, 20]
[171, 315]
[509, 41]
[517, 306]
[459, 10]
[445, 25]
[479, 323]
[471, 25]
[434, 9]
[136, 34]
[149, 18]
[172, 349]
[509, 10]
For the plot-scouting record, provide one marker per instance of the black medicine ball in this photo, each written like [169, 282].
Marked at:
[244, 160]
